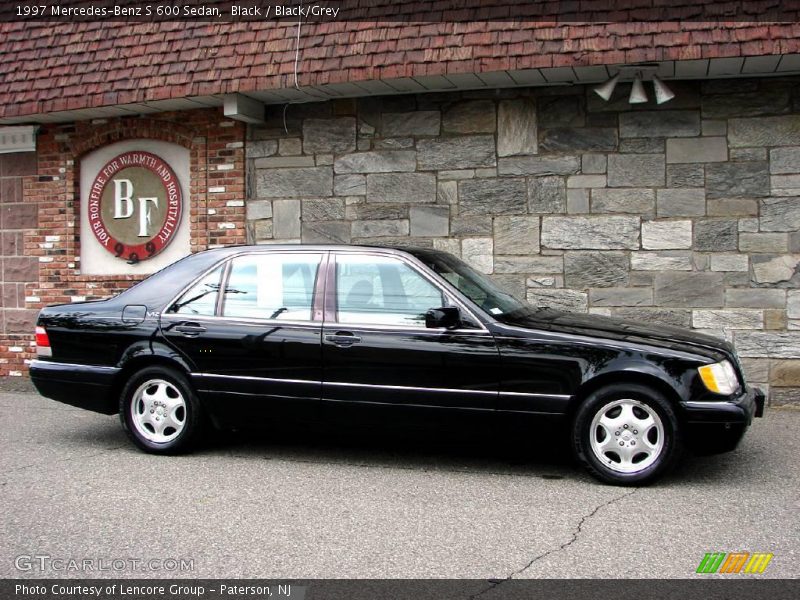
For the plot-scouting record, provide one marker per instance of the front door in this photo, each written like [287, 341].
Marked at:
[255, 347]
[377, 349]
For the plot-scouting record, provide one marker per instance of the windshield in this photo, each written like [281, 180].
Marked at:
[478, 288]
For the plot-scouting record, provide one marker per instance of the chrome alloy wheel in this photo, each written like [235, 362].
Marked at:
[627, 436]
[158, 411]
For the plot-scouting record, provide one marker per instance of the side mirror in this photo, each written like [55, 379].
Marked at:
[448, 317]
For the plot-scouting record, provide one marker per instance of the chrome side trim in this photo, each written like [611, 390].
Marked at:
[44, 364]
[384, 387]
[250, 378]
[704, 404]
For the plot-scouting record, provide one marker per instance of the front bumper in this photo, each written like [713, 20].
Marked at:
[713, 427]
[739, 410]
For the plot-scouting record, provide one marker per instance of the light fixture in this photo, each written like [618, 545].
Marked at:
[605, 90]
[638, 95]
[663, 93]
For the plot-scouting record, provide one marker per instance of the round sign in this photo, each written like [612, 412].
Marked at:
[135, 205]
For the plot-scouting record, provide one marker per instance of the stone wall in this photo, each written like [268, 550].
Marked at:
[686, 214]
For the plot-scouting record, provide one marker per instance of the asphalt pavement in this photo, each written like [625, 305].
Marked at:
[292, 504]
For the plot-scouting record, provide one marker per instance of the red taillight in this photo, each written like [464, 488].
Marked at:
[42, 342]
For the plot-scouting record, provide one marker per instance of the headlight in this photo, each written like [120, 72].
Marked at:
[719, 378]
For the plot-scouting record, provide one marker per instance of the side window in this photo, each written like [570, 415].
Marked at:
[382, 291]
[271, 286]
[201, 298]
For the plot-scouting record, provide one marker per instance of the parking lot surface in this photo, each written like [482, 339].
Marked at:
[294, 504]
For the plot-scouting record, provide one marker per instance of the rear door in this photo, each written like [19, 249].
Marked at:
[377, 349]
[252, 331]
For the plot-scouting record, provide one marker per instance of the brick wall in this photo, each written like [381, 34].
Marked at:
[685, 214]
[40, 203]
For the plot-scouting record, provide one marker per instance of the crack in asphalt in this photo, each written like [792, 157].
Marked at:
[494, 583]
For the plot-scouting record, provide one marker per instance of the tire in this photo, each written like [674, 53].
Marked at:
[626, 434]
[160, 411]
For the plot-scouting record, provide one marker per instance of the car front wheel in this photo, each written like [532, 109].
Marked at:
[626, 434]
[160, 411]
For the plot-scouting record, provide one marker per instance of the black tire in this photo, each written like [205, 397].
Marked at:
[642, 465]
[163, 386]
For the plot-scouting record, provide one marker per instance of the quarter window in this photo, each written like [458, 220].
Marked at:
[201, 298]
[383, 291]
[271, 286]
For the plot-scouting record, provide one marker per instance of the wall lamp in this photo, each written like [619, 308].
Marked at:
[638, 94]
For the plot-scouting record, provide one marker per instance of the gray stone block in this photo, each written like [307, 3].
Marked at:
[373, 212]
[755, 298]
[578, 201]
[659, 123]
[745, 104]
[516, 235]
[621, 296]
[329, 209]
[742, 318]
[378, 161]
[547, 194]
[594, 163]
[697, 150]
[474, 116]
[642, 146]
[287, 183]
[660, 316]
[464, 152]
[327, 232]
[595, 269]
[529, 264]
[562, 110]
[492, 196]
[258, 209]
[369, 229]
[588, 233]
[774, 269]
[660, 261]
[586, 181]
[784, 160]
[517, 127]
[730, 262]
[401, 187]
[349, 185]
[765, 131]
[430, 221]
[689, 202]
[479, 253]
[763, 242]
[538, 165]
[471, 225]
[686, 176]
[286, 219]
[762, 344]
[579, 139]
[278, 162]
[332, 136]
[747, 154]
[513, 284]
[780, 214]
[625, 200]
[665, 235]
[689, 289]
[398, 143]
[566, 300]
[728, 207]
[737, 180]
[420, 122]
[716, 235]
[636, 170]
[261, 148]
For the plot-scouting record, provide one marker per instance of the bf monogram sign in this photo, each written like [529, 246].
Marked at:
[135, 205]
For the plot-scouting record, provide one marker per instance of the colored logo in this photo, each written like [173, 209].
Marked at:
[135, 205]
[734, 562]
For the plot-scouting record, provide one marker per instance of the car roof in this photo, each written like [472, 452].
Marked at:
[414, 251]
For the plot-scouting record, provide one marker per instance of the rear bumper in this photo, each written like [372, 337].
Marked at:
[84, 386]
[714, 427]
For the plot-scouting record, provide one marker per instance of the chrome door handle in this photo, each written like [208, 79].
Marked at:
[342, 339]
[190, 329]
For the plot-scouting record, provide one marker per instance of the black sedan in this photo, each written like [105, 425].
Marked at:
[238, 335]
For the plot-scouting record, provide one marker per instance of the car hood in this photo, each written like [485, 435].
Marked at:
[664, 336]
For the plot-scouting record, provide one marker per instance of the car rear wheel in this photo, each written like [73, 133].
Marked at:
[626, 434]
[160, 411]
